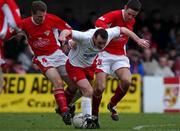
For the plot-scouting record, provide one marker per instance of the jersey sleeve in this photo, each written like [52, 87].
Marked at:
[106, 20]
[21, 24]
[78, 36]
[12, 14]
[113, 33]
[59, 23]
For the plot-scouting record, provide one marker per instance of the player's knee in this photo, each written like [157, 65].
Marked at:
[100, 86]
[58, 83]
[88, 92]
[99, 91]
[126, 82]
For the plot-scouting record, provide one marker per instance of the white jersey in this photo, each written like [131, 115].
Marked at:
[85, 52]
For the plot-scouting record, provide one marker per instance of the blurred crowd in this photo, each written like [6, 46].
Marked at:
[161, 59]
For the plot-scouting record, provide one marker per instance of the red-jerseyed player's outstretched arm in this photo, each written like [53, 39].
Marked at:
[141, 42]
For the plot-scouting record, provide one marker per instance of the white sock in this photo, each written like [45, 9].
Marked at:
[86, 106]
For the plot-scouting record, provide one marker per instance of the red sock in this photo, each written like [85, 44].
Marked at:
[95, 105]
[118, 95]
[60, 99]
[69, 95]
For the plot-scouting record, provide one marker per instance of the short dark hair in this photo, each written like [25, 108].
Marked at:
[134, 5]
[38, 5]
[101, 32]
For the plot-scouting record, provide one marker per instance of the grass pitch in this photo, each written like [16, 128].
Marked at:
[127, 122]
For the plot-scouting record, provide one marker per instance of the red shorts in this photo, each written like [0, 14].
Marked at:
[77, 73]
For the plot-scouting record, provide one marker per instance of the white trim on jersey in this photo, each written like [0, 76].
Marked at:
[10, 18]
[56, 35]
[125, 49]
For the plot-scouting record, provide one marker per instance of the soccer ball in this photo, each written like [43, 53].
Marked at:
[78, 121]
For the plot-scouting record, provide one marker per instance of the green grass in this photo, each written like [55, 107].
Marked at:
[52, 122]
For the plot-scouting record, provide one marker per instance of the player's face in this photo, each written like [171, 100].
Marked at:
[129, 14]
[39, 17]
[99, 42]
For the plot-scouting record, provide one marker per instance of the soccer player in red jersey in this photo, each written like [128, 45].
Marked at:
[9, 17]
[113, 59]
[42, 33]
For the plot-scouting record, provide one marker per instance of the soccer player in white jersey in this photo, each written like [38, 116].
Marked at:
[82, 59]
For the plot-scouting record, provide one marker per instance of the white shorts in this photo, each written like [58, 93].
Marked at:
[57, 59]
[109, 63]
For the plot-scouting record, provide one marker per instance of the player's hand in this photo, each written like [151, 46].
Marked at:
[62, 39]
[143, 43]
[71, 44]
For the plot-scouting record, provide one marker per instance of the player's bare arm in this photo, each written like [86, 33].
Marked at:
[64, 34]
[141, 42]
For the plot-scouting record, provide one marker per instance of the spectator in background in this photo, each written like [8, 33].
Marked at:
[25, 58]
[70, 19]
[141, 21]
[171, 51]
[12, 50]
[176, 67]
[136, 66]
[177, 44]
[170, 63]
[146, 34]
[173, 24]
[158, 30]
[149, 63]
[162, 69]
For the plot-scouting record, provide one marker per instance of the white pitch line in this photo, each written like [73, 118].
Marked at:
[140, 127]
[144, 126]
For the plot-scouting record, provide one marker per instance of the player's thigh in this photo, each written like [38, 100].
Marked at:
[53, 75]
[124, 74]
[62, 70]
[85, 87]
[71, 85]
[100, 81]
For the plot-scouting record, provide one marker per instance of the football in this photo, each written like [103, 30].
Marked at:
[78, 121]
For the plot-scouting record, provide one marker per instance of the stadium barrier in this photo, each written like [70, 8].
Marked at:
[161, 94]
[34, 93]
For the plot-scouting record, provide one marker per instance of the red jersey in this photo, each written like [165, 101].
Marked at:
[112, 19]
[9, 16]
[42, 37]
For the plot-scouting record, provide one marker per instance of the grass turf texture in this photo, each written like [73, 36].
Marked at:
[127, 122]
